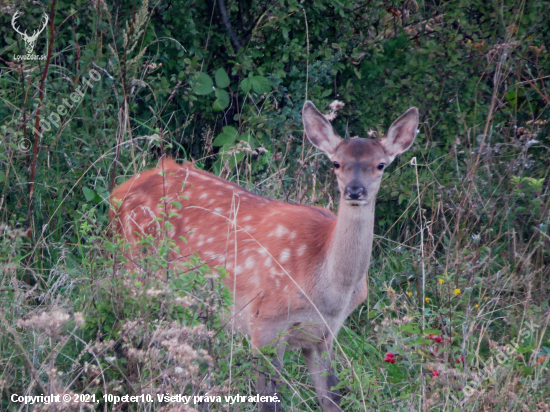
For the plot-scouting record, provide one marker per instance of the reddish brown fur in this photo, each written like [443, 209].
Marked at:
[281, 228]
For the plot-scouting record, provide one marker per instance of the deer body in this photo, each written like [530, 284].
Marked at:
[296, 272]
[271, 237]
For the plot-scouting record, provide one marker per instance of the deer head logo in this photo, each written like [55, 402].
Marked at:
[30, 41]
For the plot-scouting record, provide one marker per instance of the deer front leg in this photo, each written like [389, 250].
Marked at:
[268, 381]
[322, 375]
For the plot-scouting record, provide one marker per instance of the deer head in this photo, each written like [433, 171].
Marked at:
[359, 163]
[29, 40]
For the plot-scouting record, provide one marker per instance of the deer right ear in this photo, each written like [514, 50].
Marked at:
[319, 130]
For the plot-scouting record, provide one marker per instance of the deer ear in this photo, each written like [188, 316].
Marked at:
[401, 134]
[319, 130]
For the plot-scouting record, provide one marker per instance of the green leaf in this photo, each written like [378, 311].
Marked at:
[285, 31]
[227, 136]
[525, 349]
[89, 194]
[222, 100]
[512, 97]
[204, 84]
[246, 85]
[176, 204]
[222, 79]
[411, 329]
[260, 84]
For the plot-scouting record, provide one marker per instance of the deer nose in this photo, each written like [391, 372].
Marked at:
[355, 192]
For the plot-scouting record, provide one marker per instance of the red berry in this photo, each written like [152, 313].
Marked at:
[389, 357]
[435, 373]
[436, 338]
[460, 360]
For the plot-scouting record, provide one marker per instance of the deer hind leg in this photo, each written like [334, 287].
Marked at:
[268, 383]
[322, 375]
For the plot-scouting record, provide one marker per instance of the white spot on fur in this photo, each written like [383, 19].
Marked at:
[218, 210]
[279, 231]
[249, 228]
[200, 244]
[284, 256]
[210, 240]
[302, 249]
[203, 196]
[292, 235]
[211, 201]
[239, 270]
[246, 218]
[254, 280]
[268, 262]
[250, 262]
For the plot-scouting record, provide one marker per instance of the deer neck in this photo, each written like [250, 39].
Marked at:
[349, 252]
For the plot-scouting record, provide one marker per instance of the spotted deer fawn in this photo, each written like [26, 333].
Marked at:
[296, 272]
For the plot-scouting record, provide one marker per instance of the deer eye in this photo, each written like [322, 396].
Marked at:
[336, 165]
[381, 166]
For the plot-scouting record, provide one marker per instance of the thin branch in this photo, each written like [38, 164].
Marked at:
[37, 122]
[234, 40]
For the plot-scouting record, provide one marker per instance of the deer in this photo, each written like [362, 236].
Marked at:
[29, 40]
[296, 272]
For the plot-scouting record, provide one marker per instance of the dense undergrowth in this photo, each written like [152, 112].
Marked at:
[457, 314]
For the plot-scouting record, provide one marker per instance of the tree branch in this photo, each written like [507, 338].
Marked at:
[234, 40]
[37, 121]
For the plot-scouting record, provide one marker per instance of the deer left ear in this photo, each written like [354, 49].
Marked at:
[401, 134]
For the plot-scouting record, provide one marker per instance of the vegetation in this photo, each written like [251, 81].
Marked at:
[457, 314]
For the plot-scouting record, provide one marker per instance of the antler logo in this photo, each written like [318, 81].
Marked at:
[30, 41]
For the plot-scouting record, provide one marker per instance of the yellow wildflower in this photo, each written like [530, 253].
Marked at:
[441, 281]
[477, 306]
[409, 293]
[427, 300]
[457, 291]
